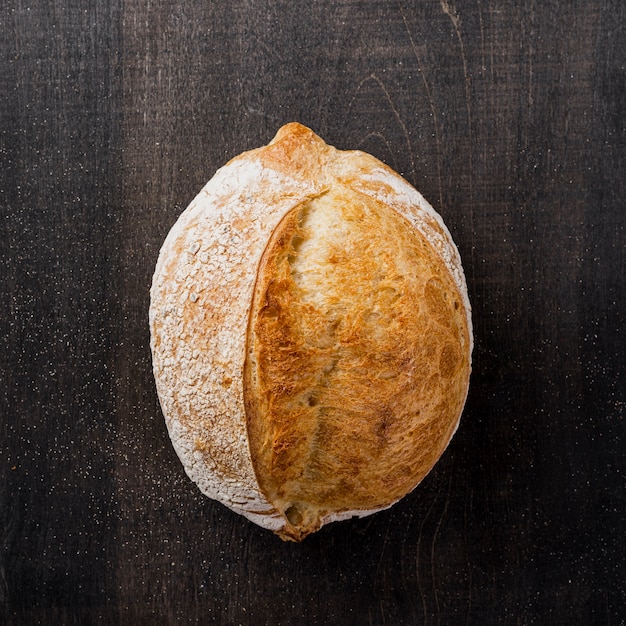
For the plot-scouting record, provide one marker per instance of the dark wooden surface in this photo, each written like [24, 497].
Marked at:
[508, 116]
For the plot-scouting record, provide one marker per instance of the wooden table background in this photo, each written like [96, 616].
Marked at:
[508, 116]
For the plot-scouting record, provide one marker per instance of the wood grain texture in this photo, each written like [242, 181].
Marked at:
[508, 116]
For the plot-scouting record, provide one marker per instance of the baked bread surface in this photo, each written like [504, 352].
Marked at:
[311, 335]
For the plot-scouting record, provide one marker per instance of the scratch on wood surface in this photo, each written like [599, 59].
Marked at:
[467, 559]
[383, 139]
[382, 553]
[432, 550]
[406, 562]
[483, 64]
[405, 132]
[417, 560]
[529, 56]
[431, 103]
[483, 70]
[456, 22]
[451, 12]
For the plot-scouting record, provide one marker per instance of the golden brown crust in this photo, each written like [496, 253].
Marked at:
[357, 359]
[311, 335]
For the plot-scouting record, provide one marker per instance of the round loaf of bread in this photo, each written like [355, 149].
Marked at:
[311, 335]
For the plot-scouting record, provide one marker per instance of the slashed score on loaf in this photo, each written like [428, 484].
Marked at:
[311, 335]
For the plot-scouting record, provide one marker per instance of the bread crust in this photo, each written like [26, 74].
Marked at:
[233, 337]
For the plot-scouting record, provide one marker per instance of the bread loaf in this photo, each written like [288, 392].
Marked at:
[311, 335]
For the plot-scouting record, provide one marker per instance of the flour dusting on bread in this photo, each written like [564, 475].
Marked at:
[311, 335]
